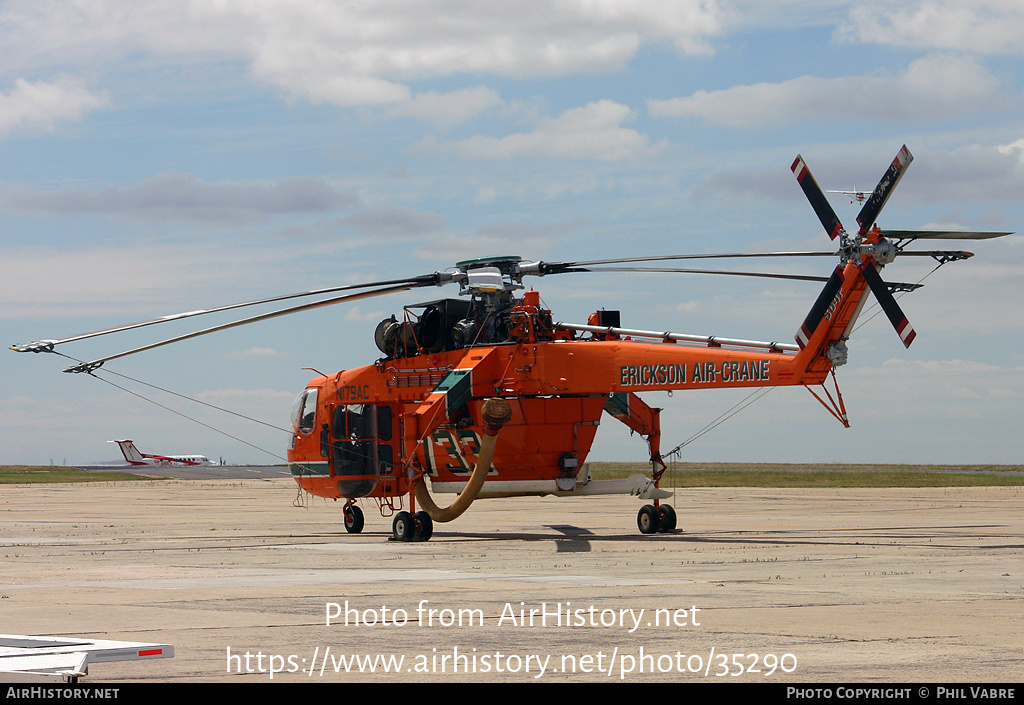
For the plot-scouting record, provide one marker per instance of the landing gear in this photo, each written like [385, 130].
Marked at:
[651, 519]
[667, 518]
[407, 527]
[647, 519]
[353, 518]
[403, 526]
[424, 527]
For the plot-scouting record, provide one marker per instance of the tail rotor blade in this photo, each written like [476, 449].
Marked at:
[822, 208]
[817, 313]
[888, 303]
[891, 177]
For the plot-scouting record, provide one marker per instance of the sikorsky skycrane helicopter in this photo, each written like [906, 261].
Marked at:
[456, 372]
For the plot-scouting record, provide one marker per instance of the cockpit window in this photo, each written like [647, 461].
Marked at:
[304, 411]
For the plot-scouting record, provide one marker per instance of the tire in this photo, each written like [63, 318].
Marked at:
[647, 519]
[403, 526]
[353, 519]
[667, 520]
[424, 527]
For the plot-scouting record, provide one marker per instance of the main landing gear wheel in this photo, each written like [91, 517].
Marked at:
[403, 526]
[647, 519]
[667, 520]
[407, 527]
[424, 527]
[353, 519]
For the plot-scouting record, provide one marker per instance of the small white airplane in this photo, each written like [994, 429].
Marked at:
[134, 457]
[855, 196]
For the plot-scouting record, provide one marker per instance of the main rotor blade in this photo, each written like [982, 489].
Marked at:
[546, 268]
[675, 270]
[93, 364]
[942, 234]
[822, 208]
[892, 286]
[951, 254]
[424, 280]
[888, 303]
[543, 268]
[891, 177]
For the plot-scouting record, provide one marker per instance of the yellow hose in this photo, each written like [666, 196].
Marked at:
[496, 413]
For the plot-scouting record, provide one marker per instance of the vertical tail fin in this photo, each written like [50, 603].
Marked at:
[130, 452]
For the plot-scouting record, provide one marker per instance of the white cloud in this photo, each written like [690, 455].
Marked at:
[970, 384]
[972, 173]
[301, 42]
[355, 313]
[139, 278]
[982, 26]
[389, 221]
[532, 241]
[593, 131]
[43, 282]
[41, 106]
[174, 196]
[270, 405]
[445, 109]
[1015, 148]
[358, 53]
[934, 87]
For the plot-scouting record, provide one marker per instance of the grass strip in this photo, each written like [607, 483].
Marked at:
[819, 475]
[46, 474]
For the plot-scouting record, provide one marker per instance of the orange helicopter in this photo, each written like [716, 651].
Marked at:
[488, 396]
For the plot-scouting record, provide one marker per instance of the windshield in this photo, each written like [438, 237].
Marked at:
[304, 411]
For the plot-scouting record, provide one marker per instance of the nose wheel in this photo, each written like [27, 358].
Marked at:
[353, 518]
[652, 520]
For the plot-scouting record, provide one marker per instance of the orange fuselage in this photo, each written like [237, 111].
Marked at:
[369, 431]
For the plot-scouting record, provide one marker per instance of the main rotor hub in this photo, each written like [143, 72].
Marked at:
[884, 252]
[490, 275]
[508, 264]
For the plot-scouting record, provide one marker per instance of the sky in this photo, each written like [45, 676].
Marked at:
[159, 156]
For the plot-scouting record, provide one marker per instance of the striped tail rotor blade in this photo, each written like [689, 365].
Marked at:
[891, 177]
[816, 196]
[820, 307]
[888, 303]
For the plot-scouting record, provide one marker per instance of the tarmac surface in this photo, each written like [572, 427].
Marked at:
[756, 585]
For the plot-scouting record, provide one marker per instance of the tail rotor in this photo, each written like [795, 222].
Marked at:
[867, 248]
